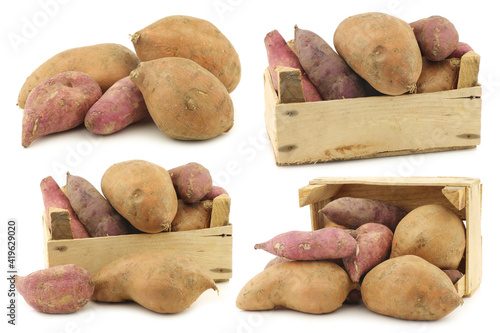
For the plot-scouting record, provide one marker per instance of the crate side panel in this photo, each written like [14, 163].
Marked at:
[474, 240]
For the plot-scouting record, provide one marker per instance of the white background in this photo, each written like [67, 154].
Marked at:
[264, 196]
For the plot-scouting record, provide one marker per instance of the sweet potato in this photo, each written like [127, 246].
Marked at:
[192, 216]
[432, 232]
[382, 49]
[159, 281]
[142, 192]
[59, 289]
[306, 286]
[354, 212]
[53, 196]
[58, 104]
[436, 37]
[374, 246]
[214, 192]
[185, 100]
[94, 211]
[462, 48]
[453, 274]
[121, 105]
[192, 38]
[192, 181]
[275, 261]
[326, 69]
[438, 75]
[326, 243]
[106, 63]
[280, 54]
[409, 287]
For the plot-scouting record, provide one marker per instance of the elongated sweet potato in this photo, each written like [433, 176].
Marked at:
[94, 211]
[121, 105]
[436, 37]
[326, 243]
[192, 216]
[58, 104]
[354, 212]
[280, 54]
[438, 75]
[306, 286]
[409, 287]
[382, 49]
[192, 181]
[53, 196]
[59, 289]
[159, 281]
[194, 39]
[331, 75]
[106, 63]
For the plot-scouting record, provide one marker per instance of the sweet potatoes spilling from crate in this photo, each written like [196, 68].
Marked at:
[162, 282]
[409, 287]
[436, 37]
[59, 289]
[382, 49]
[192, 181]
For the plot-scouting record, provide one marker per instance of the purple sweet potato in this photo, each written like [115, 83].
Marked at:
[121, 105]
[94, 211]
[58, 104]
[191, 181]
[374, 245]
[436, 37]
[462, 48]
[326, 69]
[279, 53]
[326, 243]
[192, 216]
[53, 196]
[354, 212]
[453, 274]
[59, 289]
[214, 192]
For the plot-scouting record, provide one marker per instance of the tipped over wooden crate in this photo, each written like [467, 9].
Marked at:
[461, 195]
[365, 127]
[211, 248]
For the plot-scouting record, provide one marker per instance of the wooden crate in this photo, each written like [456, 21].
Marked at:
[374, 126]
[462, 195]
[211, 248]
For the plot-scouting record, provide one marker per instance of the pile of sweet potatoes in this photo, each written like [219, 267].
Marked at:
[180, 77]
[373, 54]
[400, 264]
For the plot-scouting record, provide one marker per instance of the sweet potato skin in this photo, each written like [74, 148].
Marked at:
[185, 100]
[192, 216]
[214, 192]
[57, 104]
[305, 286]
[53, 196]
[436, 37]
[192, 181]
[194, 39]
[59, 289]
[106, 63]
[173, 282]
[94, 211]
[438, 75]
[331, 75]
[462, 48]
[409, 287]
[142, 192]
[382, 49]
[121, 105]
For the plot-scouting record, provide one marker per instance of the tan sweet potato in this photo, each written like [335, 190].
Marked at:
[192, 216]
[192, 181]
[192, 38]
[438, 75]
[382, 49]
[142, 192]
[409, 287]
[436, 37]
[159, 281]
[432, 232]
[106, 63]
[185, 100]
[59, 289]
[306, 286]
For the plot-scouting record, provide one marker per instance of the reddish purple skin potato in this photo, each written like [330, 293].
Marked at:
[58, 104]
[59, 289]
[121, 105]
[279, 53]
[436, 37]
[354, 212]
[326, 243]
[453, 274]
[462, 48]
[374, 245]
[192, 181]
[325, 68]
[94, 211]
[214, 192]
[53, 196]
